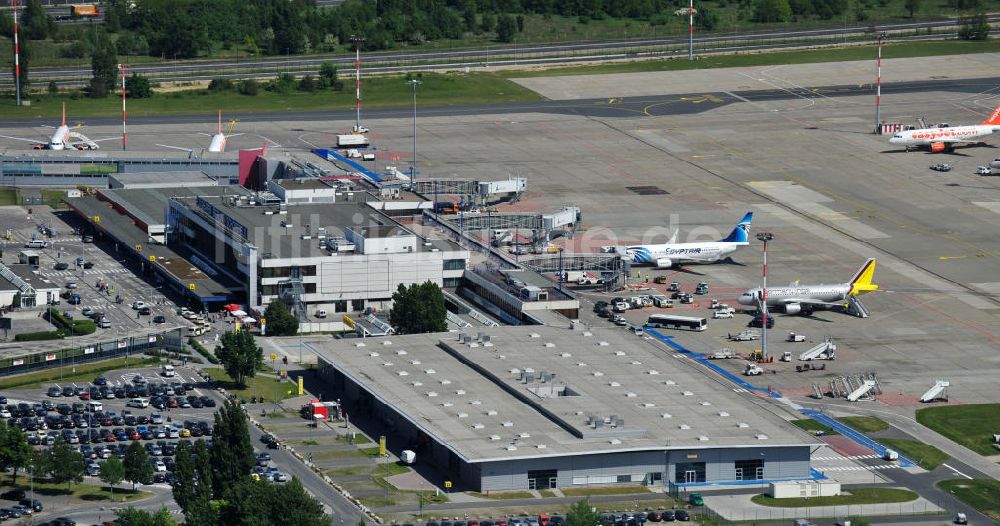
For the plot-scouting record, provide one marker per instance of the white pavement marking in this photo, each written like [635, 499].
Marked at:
[957, 472]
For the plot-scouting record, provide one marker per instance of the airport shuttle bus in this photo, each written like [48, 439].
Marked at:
[684, 323]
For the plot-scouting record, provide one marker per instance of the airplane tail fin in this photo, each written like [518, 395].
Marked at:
[740, 234]
[861, 283]
[220, 121]
[994, 118]
[64, 114]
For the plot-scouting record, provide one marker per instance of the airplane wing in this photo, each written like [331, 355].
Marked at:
[233, 135]
[106, 139]
[189, 150]
[36, 141]
[807, 301]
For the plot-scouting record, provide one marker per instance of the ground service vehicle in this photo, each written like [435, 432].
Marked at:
[85, 10]
[684, 323]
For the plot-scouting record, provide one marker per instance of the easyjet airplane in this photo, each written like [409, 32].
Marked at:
[63, 137]
[218, 143]
[945, 138]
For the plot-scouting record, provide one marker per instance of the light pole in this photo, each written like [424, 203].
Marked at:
[878, 81]
[413, 166]
[690, 29]
[764, 237]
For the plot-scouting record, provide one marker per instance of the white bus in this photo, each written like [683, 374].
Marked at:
[684, 323]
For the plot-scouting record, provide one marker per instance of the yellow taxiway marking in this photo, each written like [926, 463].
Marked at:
[951, 257]
[693, 100]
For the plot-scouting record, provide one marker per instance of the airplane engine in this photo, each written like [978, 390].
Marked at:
[937, 147]
[793, 308]
[664, 263]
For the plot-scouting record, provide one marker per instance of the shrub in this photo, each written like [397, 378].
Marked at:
[203, 351]
[39, 336]
[248, 87]
[138, 87]
[71, 327]
[220, 85]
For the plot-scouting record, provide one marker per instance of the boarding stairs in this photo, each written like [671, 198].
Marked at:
[856, 307]
[940, 387]
[824, 351]
[862, 391]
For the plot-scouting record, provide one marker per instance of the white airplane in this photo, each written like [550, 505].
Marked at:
[63, 137]
[674, 254]
[218, 143]
[945, 138]
[804, 299]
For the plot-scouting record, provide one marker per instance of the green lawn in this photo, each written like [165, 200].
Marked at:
[813, 426]
[984, 495]
[969, 425]
[8, 196]
[268, 387]
[865, 424]
[604, 490]
[84, 373]
[85, 492]
[856, 496]
[54, 198]
[503, 495]
[928, 456]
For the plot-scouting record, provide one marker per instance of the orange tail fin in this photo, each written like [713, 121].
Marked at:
[994, 119]
[64, 114]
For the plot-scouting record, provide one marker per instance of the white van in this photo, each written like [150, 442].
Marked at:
[166, 370]
[95, 406]
[37, 243]
[141, 403]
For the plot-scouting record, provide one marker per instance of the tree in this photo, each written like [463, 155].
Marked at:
[248, 87]
[135, 517]
[112, 473]
[580, 514]
[520, 23]
[138, 87]
[259, 502]
[232, 451]
[53, 88]
[240, 355]
[911, 6]
[184, 483]
[418, 308]
[771, 11]
[15, 452]
[506, 28]
[201, 510]
[487, 22]
[308, 85]
[328, 72]
[280, 321]
[103, 65]
[137, 466]
[65, 464]
[975, 27]
[36, 23]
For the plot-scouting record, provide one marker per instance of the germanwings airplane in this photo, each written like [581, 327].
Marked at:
[675, 254]
[63, 137]
[804, 299]
[945, 138]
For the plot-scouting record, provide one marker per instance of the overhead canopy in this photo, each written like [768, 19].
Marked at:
[238, 313]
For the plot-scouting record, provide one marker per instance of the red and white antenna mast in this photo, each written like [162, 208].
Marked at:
[357, 80]
[17, 57]
[122, 68]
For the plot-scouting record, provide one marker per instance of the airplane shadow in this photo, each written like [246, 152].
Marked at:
[730, 261]
[689, 271]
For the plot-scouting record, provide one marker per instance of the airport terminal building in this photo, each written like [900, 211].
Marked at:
[544, 407]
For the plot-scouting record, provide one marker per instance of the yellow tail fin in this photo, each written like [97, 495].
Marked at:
[861, 283]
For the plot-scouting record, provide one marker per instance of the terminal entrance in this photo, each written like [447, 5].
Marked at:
[542, 479]
[750, 469]
[690, 472]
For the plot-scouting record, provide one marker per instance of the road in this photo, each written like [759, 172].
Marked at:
[509, 55]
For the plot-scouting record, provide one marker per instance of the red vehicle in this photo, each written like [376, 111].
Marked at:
[84, 395]
[172, 402]
[543, 519]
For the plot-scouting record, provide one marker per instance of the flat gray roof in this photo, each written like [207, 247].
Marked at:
[277, 241]
[471, 397]
[37, 281]
[172, 179]
[150, 204]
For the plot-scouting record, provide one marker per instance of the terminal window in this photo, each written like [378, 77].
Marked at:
[542, 478]
[688, 472]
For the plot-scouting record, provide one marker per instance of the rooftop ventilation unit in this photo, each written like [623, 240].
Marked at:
[387, 364]
[475, 402]
[565, 355]
[535, 335]
[508, 424]
[401, 352]
[478, 426]
[648, 404]
[511, 447]
[373, 354]
[463, 415]
[417, 383]
[742, 425]
[431, 394]
[430, 371]
[541, 446]
[359, 344]
[619, 353]
[636, 362]
[460, 392]
[529, 376]
[403, 373]
[614, 441]
[687, 393]
[684, 427]
[523, 434]
[414, 362]
[546, 377]
[598, 373]
[550, 344]
[445, 381]
[669, 382]
[706, 403]
[447, 404]
[723, 414]
[581, 364]
[614, 384]
[491, 412]
[587, 334]
[386, 342]
[630, 395]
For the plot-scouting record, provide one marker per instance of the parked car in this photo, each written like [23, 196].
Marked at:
[62, 265]
[941, 167]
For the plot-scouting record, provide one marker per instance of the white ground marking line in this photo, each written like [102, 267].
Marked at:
[957, 472]
[812, 102]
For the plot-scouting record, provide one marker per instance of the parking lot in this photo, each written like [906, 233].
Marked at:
[157, 408]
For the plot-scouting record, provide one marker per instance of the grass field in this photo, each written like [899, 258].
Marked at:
[85, 492]
[84, 373]
[969, 425]
[265, 386]
[812, 426]
[54, 198]
[865, 424]
[984, 495]
[8, 196]
[928, 456]
[604, 490]
[856, 496]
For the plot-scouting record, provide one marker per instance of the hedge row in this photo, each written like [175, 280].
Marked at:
[74, 327]
[159, 353]
[39, 336]
[203, 351]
